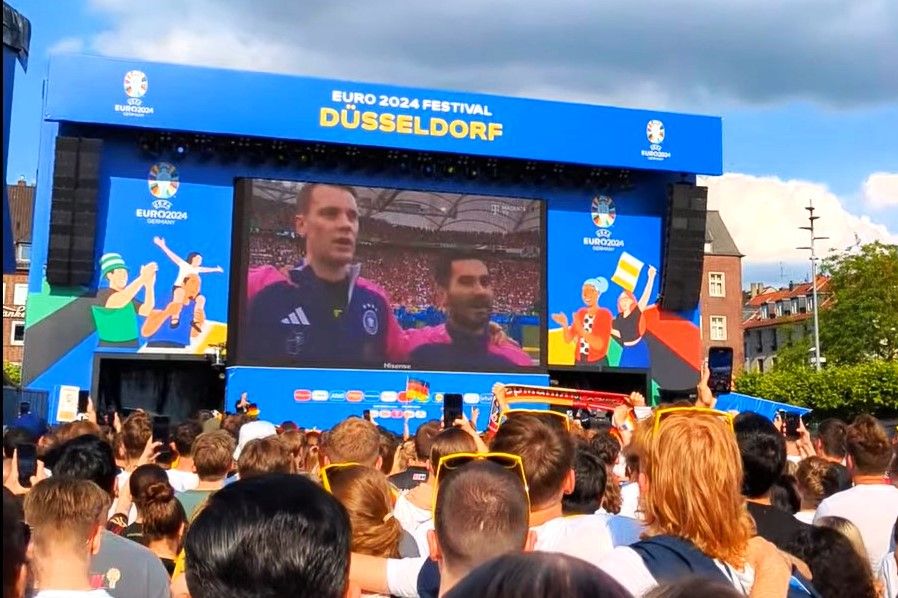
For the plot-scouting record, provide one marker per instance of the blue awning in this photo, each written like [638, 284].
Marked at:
[735, 401]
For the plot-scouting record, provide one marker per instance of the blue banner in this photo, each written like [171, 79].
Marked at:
[167, 96]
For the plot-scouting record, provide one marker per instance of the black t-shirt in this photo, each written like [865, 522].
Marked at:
[410, 478]
[775, 525]
[628, 326]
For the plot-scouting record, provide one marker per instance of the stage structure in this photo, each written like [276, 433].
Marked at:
[336, 246]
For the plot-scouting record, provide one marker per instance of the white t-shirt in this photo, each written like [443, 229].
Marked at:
[629, 493]
[873, 508]
[586, 537]
[185, 270]
[121, 479]
[627, 567]
[888, 575]
[414, 520]
[182, 481]
[805, 516]
[72, 594]
[624, 530]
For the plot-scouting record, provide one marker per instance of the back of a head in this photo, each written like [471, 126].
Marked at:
[784, 494]
[64, 513]
[694, 477]
[213, 454]
[265, 455]
[810, 476]
[868, 446]
[836, 479]
[547, 453]
[695, 587]
[833, 436]
[424, 436]
[15, 437]
[836, 567]
[163, 515]
[388, 443]
[87, 458]
[481, 512]
[449, 442]
[297, 444]
[847, 529]
[184, 434]
[354, 440]
[15, 542]
[763, 451]
[590, 476]
[272, 535]
[365, 494]
[136, 431]
[537, 575]
[606, 447]
[142, 478]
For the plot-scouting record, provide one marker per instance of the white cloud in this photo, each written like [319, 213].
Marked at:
[67, 45]
[880, 190]
[763, 215]
[741, 52]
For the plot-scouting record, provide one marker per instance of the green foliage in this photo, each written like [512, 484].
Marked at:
[13, 372]
[848, 390]
[861, 323]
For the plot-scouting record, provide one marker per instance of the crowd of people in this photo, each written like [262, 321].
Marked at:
[407, 276]
[686, 501]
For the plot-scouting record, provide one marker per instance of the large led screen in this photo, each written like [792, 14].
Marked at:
[364, 277]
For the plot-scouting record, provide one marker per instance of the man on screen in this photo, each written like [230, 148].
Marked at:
[323, 311]
[465, 290]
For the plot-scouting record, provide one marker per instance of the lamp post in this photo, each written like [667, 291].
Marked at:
[810, 228]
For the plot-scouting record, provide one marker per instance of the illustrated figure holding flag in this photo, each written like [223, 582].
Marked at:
[591, 328]
[629, 326]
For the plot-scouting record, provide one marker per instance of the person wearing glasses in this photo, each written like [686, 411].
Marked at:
[690, 477]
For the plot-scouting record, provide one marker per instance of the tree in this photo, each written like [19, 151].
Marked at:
[861, 321]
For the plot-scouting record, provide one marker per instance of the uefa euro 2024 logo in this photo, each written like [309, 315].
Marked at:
[136, 84]
[654, 131]
[603, 211]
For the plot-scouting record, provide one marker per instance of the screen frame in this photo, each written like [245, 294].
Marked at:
[239, 264]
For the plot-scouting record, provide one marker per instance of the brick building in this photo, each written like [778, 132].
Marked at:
[777, 317]
[15, 286]
[721, 298]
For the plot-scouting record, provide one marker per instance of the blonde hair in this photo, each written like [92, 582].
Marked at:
[65, 511]
[353, 440]
[810, 474]
[213, 454]
[365, 493]
[847, 529]
[265, 455]
[694, 489]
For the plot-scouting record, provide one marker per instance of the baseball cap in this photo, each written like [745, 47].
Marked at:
[110, 262]
[253, 431]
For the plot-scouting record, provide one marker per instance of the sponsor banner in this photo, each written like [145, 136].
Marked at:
[285, 394]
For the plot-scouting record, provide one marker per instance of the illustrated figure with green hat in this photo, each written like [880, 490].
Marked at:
[115, 316]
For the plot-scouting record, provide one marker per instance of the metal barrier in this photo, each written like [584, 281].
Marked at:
[13, 397]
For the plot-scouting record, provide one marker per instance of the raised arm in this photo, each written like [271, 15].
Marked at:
[649, 285]
[160, 242]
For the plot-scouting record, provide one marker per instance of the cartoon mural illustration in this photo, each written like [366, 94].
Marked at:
[629, 325]
[115, 315]
[591, 328]
[187, 268]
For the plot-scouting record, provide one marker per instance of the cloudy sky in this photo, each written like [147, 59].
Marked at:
[807, 89]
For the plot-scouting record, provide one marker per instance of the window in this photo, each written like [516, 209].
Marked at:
[17, 333]
[20, 293]
[794, 308]
[779, 308]
[716, 284]
[774, 340]
[23, 253]
[718, 328]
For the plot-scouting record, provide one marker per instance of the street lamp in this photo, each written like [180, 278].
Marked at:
[818, 360]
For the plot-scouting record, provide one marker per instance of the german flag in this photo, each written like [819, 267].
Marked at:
[417, 390]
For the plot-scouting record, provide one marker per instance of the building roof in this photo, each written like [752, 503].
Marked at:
[719, 237]
[802, 289]
[21, 210]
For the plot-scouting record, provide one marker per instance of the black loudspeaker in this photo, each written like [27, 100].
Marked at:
[684, 247]
[73, 212]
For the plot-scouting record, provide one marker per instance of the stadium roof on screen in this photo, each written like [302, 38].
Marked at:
[428, 210]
